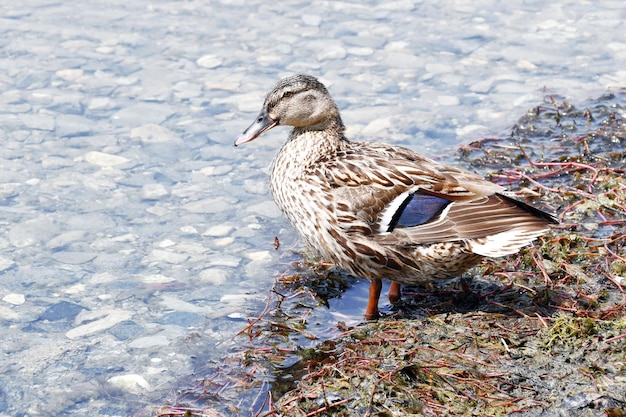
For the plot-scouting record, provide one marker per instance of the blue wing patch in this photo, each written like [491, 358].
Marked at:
[417, 209]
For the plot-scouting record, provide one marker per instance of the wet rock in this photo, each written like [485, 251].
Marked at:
[131, 383]
[155, 279]
[149, 342]
[209, 61]
[32, 231]
[152, 133]
[126, 330]
[223, 260]
[180, 318]
[216, 170]
[218, 230]
[52, 162]
[74, 258]
[97, 321]
[175, 303]
[208, 206]
[70, 125]
[38, 121]
[102, 159]
[265, 208]
[154, 191]
[15, 299]
[158, 255]
[215, 276]
[62, 310]
[70, 74]
[142, 113]
[66, 238]
[6, 263]
[7, 314]
[332, 52]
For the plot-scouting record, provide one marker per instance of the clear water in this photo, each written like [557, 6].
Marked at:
[135, 239]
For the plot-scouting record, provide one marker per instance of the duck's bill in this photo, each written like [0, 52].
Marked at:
[262, 124]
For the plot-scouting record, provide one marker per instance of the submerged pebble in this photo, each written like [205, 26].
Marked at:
[131, 383]
[15, 299]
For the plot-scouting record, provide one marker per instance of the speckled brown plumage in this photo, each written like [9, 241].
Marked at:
[382, 211]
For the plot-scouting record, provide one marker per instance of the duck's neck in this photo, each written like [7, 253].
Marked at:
[317, 140]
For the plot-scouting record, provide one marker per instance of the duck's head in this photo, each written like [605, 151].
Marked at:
[299, 101]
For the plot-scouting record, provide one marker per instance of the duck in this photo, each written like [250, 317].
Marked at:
[380, 211]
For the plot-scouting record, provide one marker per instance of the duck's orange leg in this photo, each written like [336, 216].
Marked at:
[371, 312]
[395, 292]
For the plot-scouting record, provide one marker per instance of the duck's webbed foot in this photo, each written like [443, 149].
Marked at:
[376, 286]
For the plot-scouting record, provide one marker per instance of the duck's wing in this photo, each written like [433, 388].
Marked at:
[400, 197]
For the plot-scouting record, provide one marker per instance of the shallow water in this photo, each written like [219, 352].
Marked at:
[134, 239]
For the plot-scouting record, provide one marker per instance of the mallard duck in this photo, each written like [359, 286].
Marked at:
[381, 211]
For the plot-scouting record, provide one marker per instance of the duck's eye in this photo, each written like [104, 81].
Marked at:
[287, 94]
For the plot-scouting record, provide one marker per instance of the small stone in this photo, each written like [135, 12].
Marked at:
[214, 205]
[448, 100]
[225, 241]
[75, 289]
[74, 258]
[238, 315]
[6, 314]
[127, 237]
[376, 126]
[126, 330]
[152, 133]
[97, 321]
[149, 342]
[524, 64]
[39, 121]
[72, 125]
[216, 170]
[175, 303]
[166, 243]
[332, 52]
[5, 264]
[69, 74]
[259, 256]
[100, 103]
[153, 191]
[31, 232]
[363, 51]
[156, 279]
[214, 276]
[218, 230]
[66, 238]
[102, 159]
[15, 299]
[311, 20]
[180, 318]
[102, 278]
[209, 61]
[142, 113]
[132, 383]
[265, 208]
[63, 310]
[187, 90]
[167, 256]
[55, 162]
[189, 230]
[224, 260]
[238, 299]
